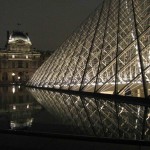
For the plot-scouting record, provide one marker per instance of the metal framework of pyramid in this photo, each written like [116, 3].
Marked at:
[109, 53]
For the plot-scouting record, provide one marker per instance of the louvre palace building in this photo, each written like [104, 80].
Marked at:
[18, 61]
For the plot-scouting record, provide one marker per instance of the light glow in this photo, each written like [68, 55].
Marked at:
[13, 74]
[13, 56]
[13, 90]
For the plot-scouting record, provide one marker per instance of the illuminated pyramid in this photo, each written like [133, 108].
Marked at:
[109, 53]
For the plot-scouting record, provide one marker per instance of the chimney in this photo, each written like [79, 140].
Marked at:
[7, 35]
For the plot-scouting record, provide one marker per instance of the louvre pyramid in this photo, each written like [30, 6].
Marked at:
[109, 53]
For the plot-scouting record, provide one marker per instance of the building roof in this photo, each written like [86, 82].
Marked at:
[18, 36]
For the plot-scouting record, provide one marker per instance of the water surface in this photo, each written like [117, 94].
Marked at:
[37, 110]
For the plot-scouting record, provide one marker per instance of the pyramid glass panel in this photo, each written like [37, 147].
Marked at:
[109, 53]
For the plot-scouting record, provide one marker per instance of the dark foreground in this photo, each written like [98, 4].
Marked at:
[20, 142]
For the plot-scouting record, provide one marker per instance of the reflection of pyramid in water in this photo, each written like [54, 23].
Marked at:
[96, 116]
[109, 53]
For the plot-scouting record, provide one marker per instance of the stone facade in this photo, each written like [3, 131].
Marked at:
[18, 61]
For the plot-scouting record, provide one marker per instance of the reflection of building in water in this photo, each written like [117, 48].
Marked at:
[19, 105]
[21, 115]
[96, 116]
[18, 61]
[109, 53]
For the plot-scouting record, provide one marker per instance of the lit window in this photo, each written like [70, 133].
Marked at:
[13, 56]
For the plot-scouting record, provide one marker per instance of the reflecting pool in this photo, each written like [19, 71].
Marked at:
[53, 112]
[17, 108]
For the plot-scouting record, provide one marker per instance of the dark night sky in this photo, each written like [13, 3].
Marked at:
[48, 22]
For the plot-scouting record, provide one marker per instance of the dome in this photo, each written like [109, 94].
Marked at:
[17, 36]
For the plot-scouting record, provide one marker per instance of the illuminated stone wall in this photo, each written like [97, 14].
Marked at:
[18, 61]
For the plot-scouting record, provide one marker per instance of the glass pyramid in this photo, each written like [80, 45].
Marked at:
[109, 53]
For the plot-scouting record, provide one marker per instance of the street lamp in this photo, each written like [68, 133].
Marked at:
[13, 74]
